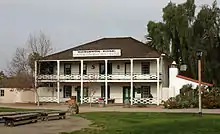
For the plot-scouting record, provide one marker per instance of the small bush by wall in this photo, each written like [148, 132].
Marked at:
[188, 98]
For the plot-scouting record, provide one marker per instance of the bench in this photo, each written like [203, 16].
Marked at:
[51, 115]
[112, 101]
[18, 113]
[13, 120]
[6, 114]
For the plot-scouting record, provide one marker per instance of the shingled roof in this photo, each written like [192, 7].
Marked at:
[130, 48]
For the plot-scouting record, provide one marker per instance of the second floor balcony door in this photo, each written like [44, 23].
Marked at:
[67, 69]
[127, 68]
[145, 68]
[102, 68]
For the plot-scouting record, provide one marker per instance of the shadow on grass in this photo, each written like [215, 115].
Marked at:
[150, 123]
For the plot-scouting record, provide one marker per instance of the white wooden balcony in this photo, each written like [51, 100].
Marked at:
[47, 77]
[99, 77]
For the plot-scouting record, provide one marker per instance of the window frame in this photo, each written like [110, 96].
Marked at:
[101, 68]
[84, 68]
[65, 93]
[2, 92]
[127, 71]
[148, 92]
[69, 71]
[103, 91]
[145, 67]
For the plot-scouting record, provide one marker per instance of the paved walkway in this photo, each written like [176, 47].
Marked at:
[84, 109]
[70, 124]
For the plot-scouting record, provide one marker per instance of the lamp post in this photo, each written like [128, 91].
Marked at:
[199, 55]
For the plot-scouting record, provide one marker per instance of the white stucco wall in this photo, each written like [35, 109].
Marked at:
[164, 69]
[17, 96]
[177, 83]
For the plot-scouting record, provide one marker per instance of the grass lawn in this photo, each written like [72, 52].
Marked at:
[5, 109]
[150, 123]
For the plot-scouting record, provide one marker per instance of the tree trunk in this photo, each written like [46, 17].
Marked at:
[90, 102]
[37, 96]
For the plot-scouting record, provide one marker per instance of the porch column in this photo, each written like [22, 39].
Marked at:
[35, 81]
[58, 81]
[81, 83]
[131, 93]
[106, 83]
[158, 82]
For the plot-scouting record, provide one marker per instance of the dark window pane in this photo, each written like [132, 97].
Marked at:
[67, 91]
[109, 67]
[101, 68]
[84, 68]
[127, 68]
[103, 91]
[146, 92]
[2, 92]
[145, 68]
[67, 69]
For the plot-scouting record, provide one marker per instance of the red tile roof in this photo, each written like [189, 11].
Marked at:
[193, 80]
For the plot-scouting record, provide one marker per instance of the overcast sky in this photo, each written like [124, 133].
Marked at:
[72, 22]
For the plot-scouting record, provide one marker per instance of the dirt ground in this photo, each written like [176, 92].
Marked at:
[69, 124]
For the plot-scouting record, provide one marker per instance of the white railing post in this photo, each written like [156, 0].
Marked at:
[158, 84]
[81, 82]
[58, 81]
[106, 83]
[131, 93]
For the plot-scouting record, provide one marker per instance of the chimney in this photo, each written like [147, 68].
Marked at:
[173, 72]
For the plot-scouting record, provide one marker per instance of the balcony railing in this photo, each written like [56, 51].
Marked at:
[99, 77]
[51, 99]
[47, 77]
[144, 100]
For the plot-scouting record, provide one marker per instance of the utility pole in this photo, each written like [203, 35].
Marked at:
[199, 55]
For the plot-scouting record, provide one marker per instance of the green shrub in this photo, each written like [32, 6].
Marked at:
[188, 98]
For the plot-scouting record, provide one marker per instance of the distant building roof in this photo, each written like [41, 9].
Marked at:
[14, 82]
[193, 80]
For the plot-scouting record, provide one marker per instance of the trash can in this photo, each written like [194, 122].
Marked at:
[101, 102]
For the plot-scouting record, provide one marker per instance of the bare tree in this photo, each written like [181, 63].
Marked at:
[40, 44]
[22, 65]
[19, 63]
[91, 88]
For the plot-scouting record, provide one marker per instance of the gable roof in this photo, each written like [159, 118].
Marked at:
[130, 48]
[15, 82]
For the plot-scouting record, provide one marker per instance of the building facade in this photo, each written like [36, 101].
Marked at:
[113, 69]
[13, 95]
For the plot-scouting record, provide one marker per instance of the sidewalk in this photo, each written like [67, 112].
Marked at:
[84, 109]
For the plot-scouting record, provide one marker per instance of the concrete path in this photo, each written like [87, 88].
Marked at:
[48, 127]
[84, 109]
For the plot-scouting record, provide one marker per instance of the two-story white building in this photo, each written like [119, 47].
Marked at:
[114, 69]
